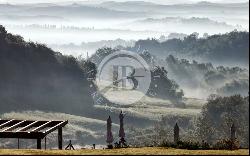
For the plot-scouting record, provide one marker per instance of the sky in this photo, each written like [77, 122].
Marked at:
[155, 1]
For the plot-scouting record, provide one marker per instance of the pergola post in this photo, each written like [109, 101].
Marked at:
[60, 138]
[18, 143]
[39, 143]
[45, 143]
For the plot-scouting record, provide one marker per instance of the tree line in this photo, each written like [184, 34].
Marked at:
[230, 47]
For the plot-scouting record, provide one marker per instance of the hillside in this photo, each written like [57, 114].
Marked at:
[53, 10]
[205, 78]
[33, 77]
[38, 83]
[81, 130]
[224, 49]
[85, 131]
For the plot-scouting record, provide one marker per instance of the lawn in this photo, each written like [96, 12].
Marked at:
[127, 151]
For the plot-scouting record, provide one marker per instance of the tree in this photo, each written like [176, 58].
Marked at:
[162, 87]
[220, 113]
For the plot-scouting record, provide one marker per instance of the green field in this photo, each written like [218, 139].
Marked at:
[127, 151]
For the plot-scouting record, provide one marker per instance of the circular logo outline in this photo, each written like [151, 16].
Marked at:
[135, 57]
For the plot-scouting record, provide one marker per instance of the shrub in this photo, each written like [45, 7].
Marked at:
[168, 144]
[226, 144]
[186, 145]
[205, 145]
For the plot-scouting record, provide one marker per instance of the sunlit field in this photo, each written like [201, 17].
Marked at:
[126, 151]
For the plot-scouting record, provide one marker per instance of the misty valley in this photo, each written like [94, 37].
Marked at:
[196, 57]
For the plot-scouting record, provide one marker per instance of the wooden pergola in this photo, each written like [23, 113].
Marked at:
[28, 129]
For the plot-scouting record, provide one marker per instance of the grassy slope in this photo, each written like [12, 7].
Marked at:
[128, 151]
[86, 131]
[93, 130]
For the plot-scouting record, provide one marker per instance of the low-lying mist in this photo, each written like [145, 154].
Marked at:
[51, 24]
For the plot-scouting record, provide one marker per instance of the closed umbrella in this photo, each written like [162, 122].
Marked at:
[109, 132]
[121, 131]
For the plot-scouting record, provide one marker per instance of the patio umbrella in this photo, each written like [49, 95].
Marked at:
[109, 132]
[121, 131]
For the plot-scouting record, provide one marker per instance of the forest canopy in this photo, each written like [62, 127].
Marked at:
[227, 48]
[35, 77]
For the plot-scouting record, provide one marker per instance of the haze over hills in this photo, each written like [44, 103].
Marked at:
[70, 11]
[137, 8]
[84, 21]
[100, 1]
[76, 28]
[171, 24]
[149, 6]
[203, 47]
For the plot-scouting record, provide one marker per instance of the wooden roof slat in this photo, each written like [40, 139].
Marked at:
[14, 126]
[61, 124]
[28, 126]
[41, 127]
[6, 123]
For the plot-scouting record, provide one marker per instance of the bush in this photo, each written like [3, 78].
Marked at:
[224, 144]
[227, 144]
[186, 145]
[168, 144]
[205, 145]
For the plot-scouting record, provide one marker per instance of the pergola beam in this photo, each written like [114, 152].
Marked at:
[41, 127]
[14, 126]
[28, 126]
[23, 135]
[5, 123]
[61, 124]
